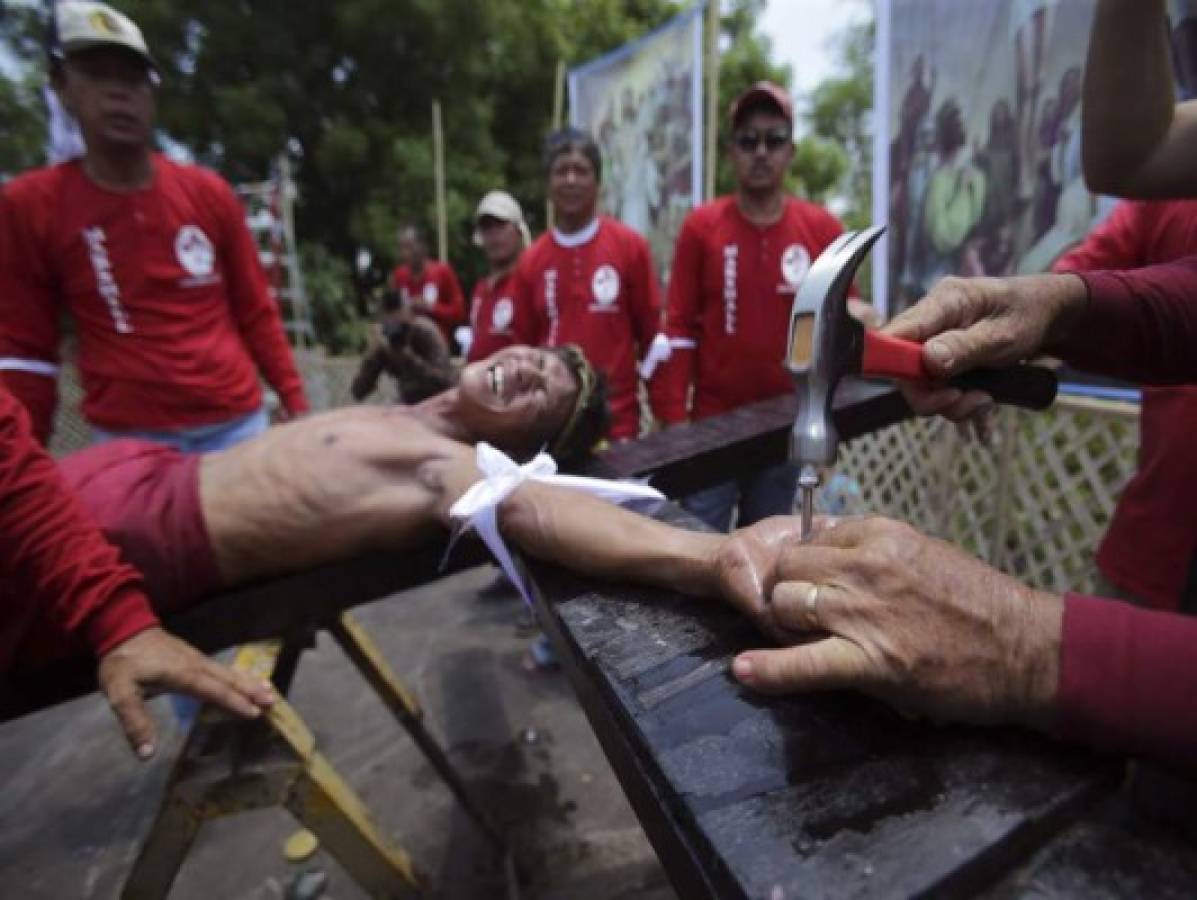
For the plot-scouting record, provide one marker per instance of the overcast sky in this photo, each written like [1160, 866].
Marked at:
[800, 30]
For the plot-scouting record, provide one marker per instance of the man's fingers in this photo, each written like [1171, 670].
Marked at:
[209, 683]
[255, 689]
[826, 665]
[814, 562]
[929, 399]
[802, 606]
[944, 308]
[128, 706]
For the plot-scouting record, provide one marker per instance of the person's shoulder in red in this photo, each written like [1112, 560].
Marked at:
[400, 276]
[631, 243]
[34, 193]
[818, 218]
[535, 257]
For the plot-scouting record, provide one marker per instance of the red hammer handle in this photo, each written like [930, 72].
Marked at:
[891, 357]
[1028, 386]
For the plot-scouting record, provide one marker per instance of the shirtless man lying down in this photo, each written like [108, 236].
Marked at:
[336, 484]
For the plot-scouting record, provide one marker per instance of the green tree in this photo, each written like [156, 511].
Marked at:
[346, 89]
[839, 114]
[22, 112]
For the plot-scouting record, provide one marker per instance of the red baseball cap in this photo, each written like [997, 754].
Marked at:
[763, 93]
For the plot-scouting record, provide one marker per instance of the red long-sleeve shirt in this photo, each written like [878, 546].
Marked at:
[56, 569]
[596, 289]
[164, 285]
[731, 292]
[492, 315]
[1152, 539]
[1128, 676]
[436, 293]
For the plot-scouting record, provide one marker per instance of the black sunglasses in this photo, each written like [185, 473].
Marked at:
[773, 139]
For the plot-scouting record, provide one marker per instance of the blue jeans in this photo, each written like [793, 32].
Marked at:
[754, 497]
[200, 439]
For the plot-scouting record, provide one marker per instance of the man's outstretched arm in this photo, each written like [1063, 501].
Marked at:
[1136, 141]
[594, 537]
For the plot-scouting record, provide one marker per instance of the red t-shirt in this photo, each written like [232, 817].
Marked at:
[1152, 540]
[595, 289]
[169, 300]
[59, 578]
[731, 293]
[436, 293]
[492, 315]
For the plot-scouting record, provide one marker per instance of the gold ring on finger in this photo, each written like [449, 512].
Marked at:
[811, 603]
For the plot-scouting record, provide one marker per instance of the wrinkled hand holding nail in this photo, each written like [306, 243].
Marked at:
[967, 323]
[908, 619]
[153, 661]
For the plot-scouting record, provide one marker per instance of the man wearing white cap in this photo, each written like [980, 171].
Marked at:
[151, 259]
[500, 230]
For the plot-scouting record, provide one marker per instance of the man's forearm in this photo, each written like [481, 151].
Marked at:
[595, 537]
[1133, 141]
[589, 535]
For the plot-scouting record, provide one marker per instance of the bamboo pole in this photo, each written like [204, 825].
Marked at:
[557, 122]
[438, 163]
[712, 123]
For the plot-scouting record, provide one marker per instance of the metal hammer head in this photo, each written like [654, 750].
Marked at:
[825, 344]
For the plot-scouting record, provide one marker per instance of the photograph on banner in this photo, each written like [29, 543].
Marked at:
[643, 105]
[984, 139]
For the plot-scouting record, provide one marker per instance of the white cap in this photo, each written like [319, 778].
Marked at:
[83, 24]
[501, 205]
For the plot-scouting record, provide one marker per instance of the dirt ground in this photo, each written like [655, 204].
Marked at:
[75, 805]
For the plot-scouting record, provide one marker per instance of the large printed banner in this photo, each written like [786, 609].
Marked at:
[643, 104]
[983, 140]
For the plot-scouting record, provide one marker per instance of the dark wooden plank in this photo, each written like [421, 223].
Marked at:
[687, 458]
[1140, 842]
[292, 604]
[833, 795]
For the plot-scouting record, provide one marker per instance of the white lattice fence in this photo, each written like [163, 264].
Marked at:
[1035, 503]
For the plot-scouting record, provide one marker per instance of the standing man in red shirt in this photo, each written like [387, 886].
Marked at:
[1149, 552]
[152, 259]
[428, 286]
[500, 230]
[738, 262]
[590, 280]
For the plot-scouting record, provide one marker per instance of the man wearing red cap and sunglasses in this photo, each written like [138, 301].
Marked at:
[738, 262]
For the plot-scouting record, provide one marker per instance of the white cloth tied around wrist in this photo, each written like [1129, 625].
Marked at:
[660, 350]
[478, 507]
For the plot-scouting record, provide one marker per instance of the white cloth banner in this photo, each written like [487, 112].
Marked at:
[642, 103]
[478, 507]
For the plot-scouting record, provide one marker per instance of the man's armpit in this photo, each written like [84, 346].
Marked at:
[446, 477]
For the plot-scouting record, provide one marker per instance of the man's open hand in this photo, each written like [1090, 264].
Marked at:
[747, 568]
[909, 619]
[153, 661]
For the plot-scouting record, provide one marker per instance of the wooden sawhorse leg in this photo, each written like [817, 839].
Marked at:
[230, 766]
[370, 662]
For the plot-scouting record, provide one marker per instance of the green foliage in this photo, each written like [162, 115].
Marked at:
[839, 115]
[22, 112]
[23, 125]
[346, 88]
[820, 166]
[329, 287]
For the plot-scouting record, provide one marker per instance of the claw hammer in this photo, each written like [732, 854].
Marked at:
[826, 344]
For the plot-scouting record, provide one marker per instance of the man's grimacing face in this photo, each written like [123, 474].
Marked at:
[518, 398]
